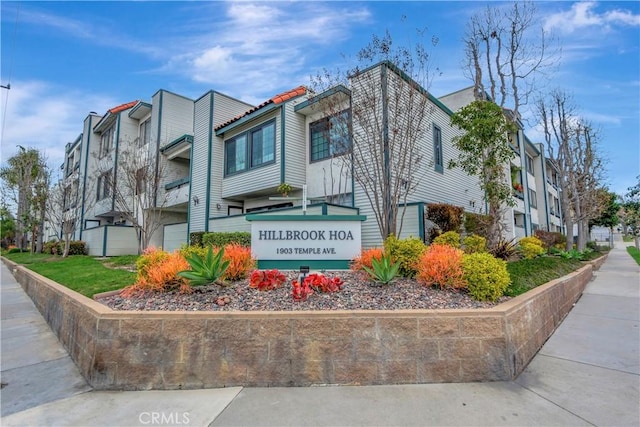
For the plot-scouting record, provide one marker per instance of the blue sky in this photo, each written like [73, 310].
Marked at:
[65, 59]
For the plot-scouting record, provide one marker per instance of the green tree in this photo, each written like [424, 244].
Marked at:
[26, 177]
[485, 153]
[631, 206]
[7, 227]
[609, 216]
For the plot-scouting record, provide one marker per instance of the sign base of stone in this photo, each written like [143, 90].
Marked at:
[128, 350]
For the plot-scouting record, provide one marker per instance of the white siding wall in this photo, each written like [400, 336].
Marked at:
[94, 239]
[121, 241]
[176, 119]
[225, 108]
[295, 147]
[175, 235]
[325, 177]
[410, 223]
[230, 224]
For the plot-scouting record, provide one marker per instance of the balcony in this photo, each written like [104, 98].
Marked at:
[177, 193]
[178, 148]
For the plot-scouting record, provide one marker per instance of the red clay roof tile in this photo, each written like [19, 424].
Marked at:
[122, 107]
[278, 99]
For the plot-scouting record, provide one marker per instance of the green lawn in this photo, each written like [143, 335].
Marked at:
[526, 274]
[635, 254]
[83, 274]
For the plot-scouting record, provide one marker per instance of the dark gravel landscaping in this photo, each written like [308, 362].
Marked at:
[357, 294]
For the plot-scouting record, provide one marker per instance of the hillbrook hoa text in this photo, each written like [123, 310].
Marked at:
[300, 238]
[305, 235]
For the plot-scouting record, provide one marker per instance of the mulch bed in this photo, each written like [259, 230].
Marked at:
[358, 293]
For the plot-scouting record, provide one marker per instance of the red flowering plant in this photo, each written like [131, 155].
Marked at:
[266, 280]
[315, 282]
[301, 291]
[322, 283]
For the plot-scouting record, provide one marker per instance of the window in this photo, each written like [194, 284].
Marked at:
[236, 154]
[530, 165]
[104, 186]
[251, 149]
[533, 201]
[106, 141]
[437, 149]
[263, 145]
[556, 204]
[145, 133]
[330, 137]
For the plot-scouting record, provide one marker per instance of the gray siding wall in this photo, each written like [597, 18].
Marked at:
[225, 108]
[199, 159]
[452, 186]
[175, 113]
[262, 179]
[295, 147]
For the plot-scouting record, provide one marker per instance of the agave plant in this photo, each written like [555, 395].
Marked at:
[383, 270]
[207, 270]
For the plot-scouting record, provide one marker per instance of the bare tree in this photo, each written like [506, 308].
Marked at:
[64, 210]
[505, 51]
[571, 145]
[138, 193]
[386, 126]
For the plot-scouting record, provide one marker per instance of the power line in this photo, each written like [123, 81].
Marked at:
[11, 62]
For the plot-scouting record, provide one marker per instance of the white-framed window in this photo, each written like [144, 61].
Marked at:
[533, 198]
[330, 136]
[107, 141]
[145, 133]
[103, 189]
[437, 149]
[530, 168]
[251, 149]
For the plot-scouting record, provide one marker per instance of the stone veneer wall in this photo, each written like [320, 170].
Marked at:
[125, 350]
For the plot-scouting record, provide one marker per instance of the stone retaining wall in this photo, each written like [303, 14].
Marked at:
[125, 350]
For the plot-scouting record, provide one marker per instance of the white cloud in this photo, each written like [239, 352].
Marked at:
[257, 48]
[46, 117]
[583, 15]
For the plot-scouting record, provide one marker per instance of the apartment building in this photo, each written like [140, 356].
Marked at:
[221, 158]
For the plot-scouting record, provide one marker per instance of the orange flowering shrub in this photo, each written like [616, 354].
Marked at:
[441, 265]
[365, 258]
[240, 261]
[159, 272]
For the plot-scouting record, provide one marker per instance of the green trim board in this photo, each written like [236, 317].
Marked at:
[177, 183]
[327, 93]
[184, 138]
[209, 150]
[335, 264]
[291, 208]
[258, 217]
[155, 196]
[282, 153]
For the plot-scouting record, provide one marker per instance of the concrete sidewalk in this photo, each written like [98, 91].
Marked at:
[587, 373]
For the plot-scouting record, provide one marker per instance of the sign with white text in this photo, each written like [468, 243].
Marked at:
[303, 239]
